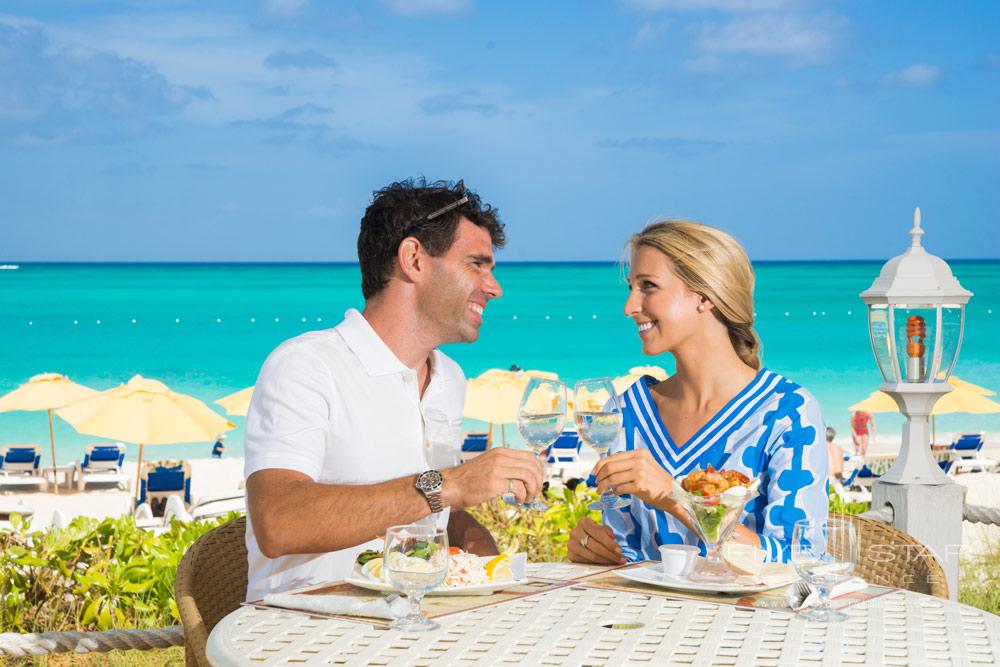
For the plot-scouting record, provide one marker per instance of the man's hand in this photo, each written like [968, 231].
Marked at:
[493, 473]
[636, 473]
[591, 542]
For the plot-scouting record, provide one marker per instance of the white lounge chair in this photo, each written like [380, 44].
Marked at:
[20, 467]
[102, 464]
[966, 451]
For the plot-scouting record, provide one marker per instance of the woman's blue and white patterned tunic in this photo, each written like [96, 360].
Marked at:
[772, 429]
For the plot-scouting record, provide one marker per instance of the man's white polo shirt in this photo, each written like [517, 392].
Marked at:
[340, 407]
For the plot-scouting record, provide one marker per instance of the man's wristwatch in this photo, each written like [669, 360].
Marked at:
[429, 483]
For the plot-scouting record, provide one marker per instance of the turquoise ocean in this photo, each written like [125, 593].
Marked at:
[205, 329]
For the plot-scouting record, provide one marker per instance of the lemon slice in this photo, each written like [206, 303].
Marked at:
[373, 568]
[499, 568]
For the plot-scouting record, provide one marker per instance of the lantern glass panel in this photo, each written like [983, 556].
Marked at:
[878, 326]
[952, 318]
[916, 330]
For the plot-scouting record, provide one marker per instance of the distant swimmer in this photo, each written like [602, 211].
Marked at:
[860, 423]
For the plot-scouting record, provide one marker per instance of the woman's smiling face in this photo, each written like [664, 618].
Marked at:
[662, 306]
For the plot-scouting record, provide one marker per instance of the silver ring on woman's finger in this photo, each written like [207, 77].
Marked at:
[584, 540]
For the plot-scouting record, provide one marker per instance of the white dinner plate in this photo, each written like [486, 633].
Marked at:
[517, 563]
[653, 574]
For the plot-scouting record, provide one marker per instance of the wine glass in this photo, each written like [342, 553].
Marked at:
[598, 416]
[540, 419]
[824, 553]
[416, 557]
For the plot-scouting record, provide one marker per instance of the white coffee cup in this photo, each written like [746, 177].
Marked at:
[677, 559]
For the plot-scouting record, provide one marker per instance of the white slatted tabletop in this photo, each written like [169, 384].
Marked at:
[571, 626]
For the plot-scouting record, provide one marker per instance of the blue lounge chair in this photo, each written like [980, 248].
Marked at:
[102, 464]
[20, 465]
[158, 482]
[566, 448]
[966, 449]
[474, 445]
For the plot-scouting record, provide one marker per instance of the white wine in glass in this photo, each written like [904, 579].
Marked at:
[598, 416]
[540, 419]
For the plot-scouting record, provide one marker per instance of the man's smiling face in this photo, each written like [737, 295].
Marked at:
[461, 284]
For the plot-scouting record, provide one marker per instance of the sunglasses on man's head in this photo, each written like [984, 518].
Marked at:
[436, 214]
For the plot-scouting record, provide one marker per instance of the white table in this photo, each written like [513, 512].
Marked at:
[568, 626]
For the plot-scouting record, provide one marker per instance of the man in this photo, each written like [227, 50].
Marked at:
[341, 422]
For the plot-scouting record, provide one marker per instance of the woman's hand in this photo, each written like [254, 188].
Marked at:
[591, 542]
[636, 473]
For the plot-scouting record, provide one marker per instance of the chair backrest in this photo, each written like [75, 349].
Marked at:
[103, 457]
[475, 442]
[21, 458]
[211, 582]
[565, 448]
[865, 471]
[968, 442]
[165, 479]
[890, 557]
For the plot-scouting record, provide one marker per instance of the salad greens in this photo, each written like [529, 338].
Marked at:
[709, 519]
[422, 549]
[368, 555]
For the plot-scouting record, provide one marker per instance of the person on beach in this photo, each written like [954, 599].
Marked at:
[343, 422]
[691, 295]
[219, 446]
[861, 421]
[835, 456]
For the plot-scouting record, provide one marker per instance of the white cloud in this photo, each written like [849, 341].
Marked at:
[284, 7]
[649, 32]
[720, 5]
[917, 75]
[426, 7]
[801, 38]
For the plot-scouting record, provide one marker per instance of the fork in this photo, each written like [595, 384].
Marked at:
[797, 594]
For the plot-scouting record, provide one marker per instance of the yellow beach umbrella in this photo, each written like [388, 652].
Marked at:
[494, 395]
[238, 403]
[964, 397]
[623, 382]
[145, 412]
[46, 391]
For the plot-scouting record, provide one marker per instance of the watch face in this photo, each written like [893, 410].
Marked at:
[429, 481]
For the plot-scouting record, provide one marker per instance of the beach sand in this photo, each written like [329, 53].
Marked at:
[209, 477]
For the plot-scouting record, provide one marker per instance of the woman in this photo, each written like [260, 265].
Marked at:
[860, 421]
[691, 295]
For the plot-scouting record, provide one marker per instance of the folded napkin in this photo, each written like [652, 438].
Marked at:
[843, 588]
[771, 575]
[389, 608]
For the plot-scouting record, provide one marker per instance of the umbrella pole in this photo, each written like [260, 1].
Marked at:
[138, 474]
[503, 434]
[489, 436]
[933, 431]
[52, 444]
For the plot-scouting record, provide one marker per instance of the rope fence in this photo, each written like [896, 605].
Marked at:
[40, 643]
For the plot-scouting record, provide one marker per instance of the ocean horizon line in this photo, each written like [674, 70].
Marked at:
[164, 263]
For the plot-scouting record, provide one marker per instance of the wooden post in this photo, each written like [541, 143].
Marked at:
[52, 444]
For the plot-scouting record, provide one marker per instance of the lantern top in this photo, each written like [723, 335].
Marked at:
[916, 276]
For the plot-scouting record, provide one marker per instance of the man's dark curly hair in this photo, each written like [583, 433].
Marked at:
[398, 211]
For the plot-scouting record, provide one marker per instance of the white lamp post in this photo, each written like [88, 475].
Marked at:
[916, 318]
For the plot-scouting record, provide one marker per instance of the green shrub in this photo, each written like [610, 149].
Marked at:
[543, 535]
[91, 575]
[979, 579]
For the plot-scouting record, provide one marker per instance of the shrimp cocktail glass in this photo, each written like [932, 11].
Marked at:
[416, 557]
[598, 415]
[713, 501]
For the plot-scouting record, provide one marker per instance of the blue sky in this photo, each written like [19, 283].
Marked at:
[237, 131]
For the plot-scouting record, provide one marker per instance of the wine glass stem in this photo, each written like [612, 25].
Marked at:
[415, 598]
[824, 597]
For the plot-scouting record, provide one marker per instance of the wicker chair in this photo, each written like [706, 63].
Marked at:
[211, 582]
[890, 557]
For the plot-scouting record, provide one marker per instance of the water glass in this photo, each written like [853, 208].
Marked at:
[824, 553]
[598, 415]
[416, 558]
[540, 419]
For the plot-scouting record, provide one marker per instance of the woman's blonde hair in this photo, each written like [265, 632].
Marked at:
[711, 263]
